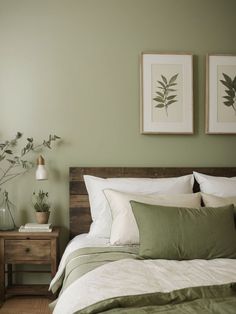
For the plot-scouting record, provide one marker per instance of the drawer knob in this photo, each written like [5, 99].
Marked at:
[27, 250]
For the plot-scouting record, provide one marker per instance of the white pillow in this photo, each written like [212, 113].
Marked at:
[124, 229]
[216, 201]
[100, 211]
[219, 186]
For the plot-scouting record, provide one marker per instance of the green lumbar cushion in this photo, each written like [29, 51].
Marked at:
[185, 233]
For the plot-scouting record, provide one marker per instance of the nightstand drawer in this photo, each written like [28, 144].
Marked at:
[27, 250]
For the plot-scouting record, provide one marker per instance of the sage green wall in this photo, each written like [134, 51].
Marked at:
[71, 67]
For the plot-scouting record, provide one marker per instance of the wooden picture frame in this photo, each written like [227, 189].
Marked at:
[166, 93]
[220, 94]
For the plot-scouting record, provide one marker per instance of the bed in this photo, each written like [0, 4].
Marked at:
[124, 274]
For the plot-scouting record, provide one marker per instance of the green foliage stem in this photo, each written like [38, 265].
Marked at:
[230, 97]
[14, 164]
[164, 96]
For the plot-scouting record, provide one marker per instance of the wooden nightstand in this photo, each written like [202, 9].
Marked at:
[26, 248]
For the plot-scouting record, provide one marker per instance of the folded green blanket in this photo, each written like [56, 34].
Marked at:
[220, 299]
[84, 260]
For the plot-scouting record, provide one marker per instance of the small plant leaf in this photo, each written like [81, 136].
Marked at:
[172, 84]
[228, 97]
[11, 161]
[228, 79]
[171, 97]
[55, 137]
[8, 151]
[162, 84]
[234, 83]
[228, 103]
[173, 78]
[230, 92]
[171, 102]
[226, 84]
[159, 99]
[164, 79]
[160, 94]
[160, 106]
[18, 135]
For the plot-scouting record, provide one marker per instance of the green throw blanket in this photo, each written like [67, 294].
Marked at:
[218, 299]
[198, 300]
[84, 260]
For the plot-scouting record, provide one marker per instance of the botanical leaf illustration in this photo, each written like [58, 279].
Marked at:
[164, 97]
[230, 97]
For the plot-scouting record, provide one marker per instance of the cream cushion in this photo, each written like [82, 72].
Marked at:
[124, 229]
[210, 200]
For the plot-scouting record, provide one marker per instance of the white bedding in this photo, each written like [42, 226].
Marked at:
[111, 280]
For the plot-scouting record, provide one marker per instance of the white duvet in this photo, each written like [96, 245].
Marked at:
[131, 277]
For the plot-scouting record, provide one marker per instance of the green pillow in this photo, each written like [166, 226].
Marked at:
[185, 233]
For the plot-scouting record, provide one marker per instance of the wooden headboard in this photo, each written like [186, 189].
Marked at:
[80, 218]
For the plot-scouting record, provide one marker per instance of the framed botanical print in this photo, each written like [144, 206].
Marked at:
[221, 94]
[166, 93]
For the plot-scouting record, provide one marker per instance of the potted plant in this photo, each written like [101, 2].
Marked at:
[41, 206]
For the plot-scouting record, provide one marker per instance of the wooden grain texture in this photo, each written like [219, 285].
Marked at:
[80, 217]
[17, 251]
[79, 200]
[34, 289]
[26, 305]
[53, 257]
[30, 235]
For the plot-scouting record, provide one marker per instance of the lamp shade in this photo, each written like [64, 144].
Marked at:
[41, 172]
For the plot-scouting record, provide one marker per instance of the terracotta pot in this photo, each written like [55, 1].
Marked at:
[42, 217]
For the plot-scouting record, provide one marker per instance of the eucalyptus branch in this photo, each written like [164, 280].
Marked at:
[6, 172]
[34, 149]
[16, 160]
[14, 176]
[5, 147]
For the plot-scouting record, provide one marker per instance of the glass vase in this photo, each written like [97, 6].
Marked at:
[6, 214]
